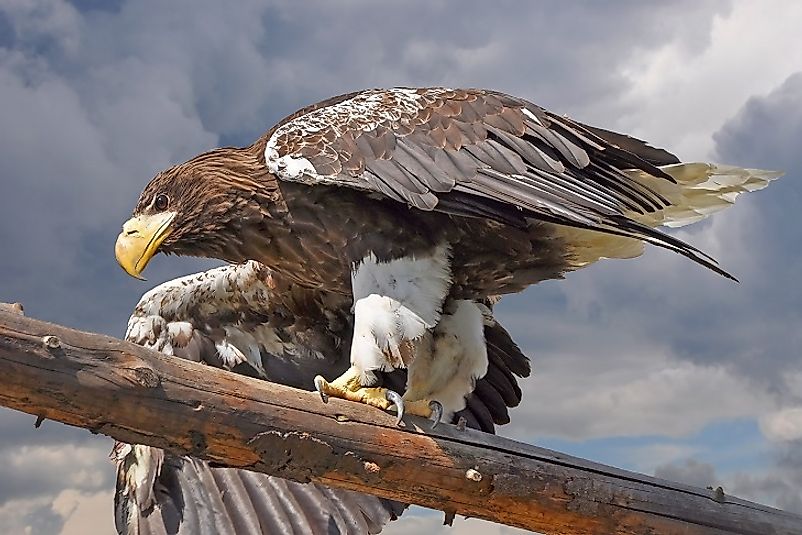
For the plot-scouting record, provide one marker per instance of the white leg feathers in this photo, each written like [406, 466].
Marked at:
[396, 304]
[402, 320]
[458, 358]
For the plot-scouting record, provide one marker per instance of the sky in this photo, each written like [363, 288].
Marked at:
[652, 364]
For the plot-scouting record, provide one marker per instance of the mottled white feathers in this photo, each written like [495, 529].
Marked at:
[183, 317]
[364, 111]
[138, 468]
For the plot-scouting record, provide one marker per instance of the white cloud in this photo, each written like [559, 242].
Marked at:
[31, 516]
[35, 470]
[785, 425]
[433, 523]
[597, 388]
[85, 513]
[679, 100]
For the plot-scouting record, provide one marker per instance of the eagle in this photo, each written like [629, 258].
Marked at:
[404, 210]
[231, 317]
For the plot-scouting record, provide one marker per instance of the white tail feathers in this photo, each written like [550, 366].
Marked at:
[701, 189]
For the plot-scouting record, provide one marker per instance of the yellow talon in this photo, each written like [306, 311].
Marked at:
[348, 386]
[426, 408]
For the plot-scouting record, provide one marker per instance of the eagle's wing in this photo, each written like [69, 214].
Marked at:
[222, 317]
[486, 154]
[216, 317]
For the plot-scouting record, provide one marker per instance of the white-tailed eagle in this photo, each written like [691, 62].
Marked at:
[233, 317]
[404, 209]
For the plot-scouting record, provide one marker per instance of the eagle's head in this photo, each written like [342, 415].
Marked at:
[197, 208]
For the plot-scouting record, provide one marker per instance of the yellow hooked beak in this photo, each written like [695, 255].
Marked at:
[139, 240]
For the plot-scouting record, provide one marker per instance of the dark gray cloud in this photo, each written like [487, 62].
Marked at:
[766, 133]
[690, 471]
[17, 429]
[764, 342]
[780, 485]
[101, 99]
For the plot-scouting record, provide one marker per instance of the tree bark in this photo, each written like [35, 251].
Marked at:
[140, 396]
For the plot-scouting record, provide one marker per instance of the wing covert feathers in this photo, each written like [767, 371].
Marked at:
[481, 153]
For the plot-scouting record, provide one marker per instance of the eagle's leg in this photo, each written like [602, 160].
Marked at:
[397, 303]
[349, 386]
[439, 380]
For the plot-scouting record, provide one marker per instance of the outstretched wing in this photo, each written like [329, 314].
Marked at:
[481, 153]
[219, 317]
[224, 317]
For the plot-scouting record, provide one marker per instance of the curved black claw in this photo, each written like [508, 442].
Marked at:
[319, 382]
[396, 400]
[437, 412]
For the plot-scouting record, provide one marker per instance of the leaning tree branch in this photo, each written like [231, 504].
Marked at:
[140, 396]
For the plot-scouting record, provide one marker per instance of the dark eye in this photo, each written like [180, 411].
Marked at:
[161, 201]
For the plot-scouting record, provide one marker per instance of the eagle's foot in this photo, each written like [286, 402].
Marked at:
[430, 409]
[348, 386]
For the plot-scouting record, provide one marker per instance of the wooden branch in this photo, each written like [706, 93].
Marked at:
[140, 396]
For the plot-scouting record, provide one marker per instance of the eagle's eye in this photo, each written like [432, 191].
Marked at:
[161, 202]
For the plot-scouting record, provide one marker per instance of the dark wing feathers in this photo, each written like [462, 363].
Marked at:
[646, 152]
[498, 390]
[437, 148]
[196, 499]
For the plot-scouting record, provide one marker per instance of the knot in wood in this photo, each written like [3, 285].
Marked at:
[197, 442]
[473, 475]
[51, 342]
[371, 467]
[146, 377]
[461, 423]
